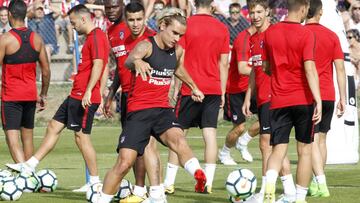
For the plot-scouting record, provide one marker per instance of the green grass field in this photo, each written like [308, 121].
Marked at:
[66, 161]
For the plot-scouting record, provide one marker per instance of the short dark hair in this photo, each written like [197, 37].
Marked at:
[314, 9]
[3, 8]
[252, 3]
[293, 5]
[355, 33]
[18, 9]
[134, 7]
[236, 5]
[79, 9]
[159, 2]
[203, 3]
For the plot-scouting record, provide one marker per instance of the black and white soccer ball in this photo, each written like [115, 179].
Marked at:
[93, 193]
[9, 190]
[125, 190]
[29, 181]
[48, 180]
[5, 174]
[241, 183]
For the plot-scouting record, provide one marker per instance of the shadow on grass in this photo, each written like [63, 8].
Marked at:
[65, 194]
[188, 196]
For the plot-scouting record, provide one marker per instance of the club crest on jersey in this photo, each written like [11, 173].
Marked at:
[121, 35]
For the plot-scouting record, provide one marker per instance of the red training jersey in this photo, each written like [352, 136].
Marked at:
[327, 49]
[288, 45]
[240, 52]
[203, 46]
[121, 47]
[96, 46]
[262, 80]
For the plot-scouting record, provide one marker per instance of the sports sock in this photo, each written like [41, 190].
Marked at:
[94, 179]
[156, 192]
[171, 171]
[32, 162]
[191, 166]
[301, 193]
[271, 176]
[288, 185]
[210, 172]
[244, 139]
[321, 179]
[263, 184]
[314, 179]
[105, 198]
[139, 191]
[225, 150]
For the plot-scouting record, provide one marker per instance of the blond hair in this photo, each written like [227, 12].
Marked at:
[167, 15]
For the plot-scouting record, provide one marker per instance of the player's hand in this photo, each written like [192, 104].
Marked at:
[86, 100]
[317, 113]
[222, 101]
[197, 95]
[246, 108]
[340, 108]
[106, 108]
[143, 69]
[41, 103]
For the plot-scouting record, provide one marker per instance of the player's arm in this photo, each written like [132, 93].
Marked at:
[266, 67]
[184, 76]
[112, 90]
[96, 72]
[224, 70]
[244, 68]
[247, 101]
[45, 72]
[3, 42]
[313, 81]
[135, 60]
[341, 80]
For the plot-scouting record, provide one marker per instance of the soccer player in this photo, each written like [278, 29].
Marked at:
[259, 83]
[123, 37]
[77, 111]
[20, 49]
[236, 87]
[295, 95]
[153, 63]
[206, 59]
[327, 52]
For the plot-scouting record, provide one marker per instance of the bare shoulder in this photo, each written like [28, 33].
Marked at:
[6, 38]
[38, 42]
[179, 51]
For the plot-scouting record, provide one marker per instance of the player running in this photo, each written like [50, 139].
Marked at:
[153, 63]
[20, 49]
[327, 52]
[77, 111]
[295, 95]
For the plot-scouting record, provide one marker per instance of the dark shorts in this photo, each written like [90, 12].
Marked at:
[233, 107]
[198, 114]
[123, 108]
[15, 115]
[327, 113]
[264, 118]
[74, 116]
[140, 125]
[282, 120]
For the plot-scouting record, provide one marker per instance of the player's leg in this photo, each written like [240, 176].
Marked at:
[302, 117]
[113, 177]
[27, 134]
[13, 143]
[281, 124]
[287, 182]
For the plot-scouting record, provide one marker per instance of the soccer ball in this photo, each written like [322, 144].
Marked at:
[5, 173]
[93, 193]
[241, 183]
[48, 180]
[125, 190]
[28, 181]
[9, 189]
[235, 199]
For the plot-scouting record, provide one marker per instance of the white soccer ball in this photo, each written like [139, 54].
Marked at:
[28, 181]
[4, 173]
[48, 180]
[235, 199]
[93, 193]
[241, 183]
[125, 190]
[9, 189]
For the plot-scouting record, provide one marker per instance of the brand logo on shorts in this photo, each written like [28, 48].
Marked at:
[266, 128]
[235, 117]
[122, 139]
[73, 125]
[173, 123]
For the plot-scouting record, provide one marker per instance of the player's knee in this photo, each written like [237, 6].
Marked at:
[123, 167]
[304, 149]
[238, 130]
